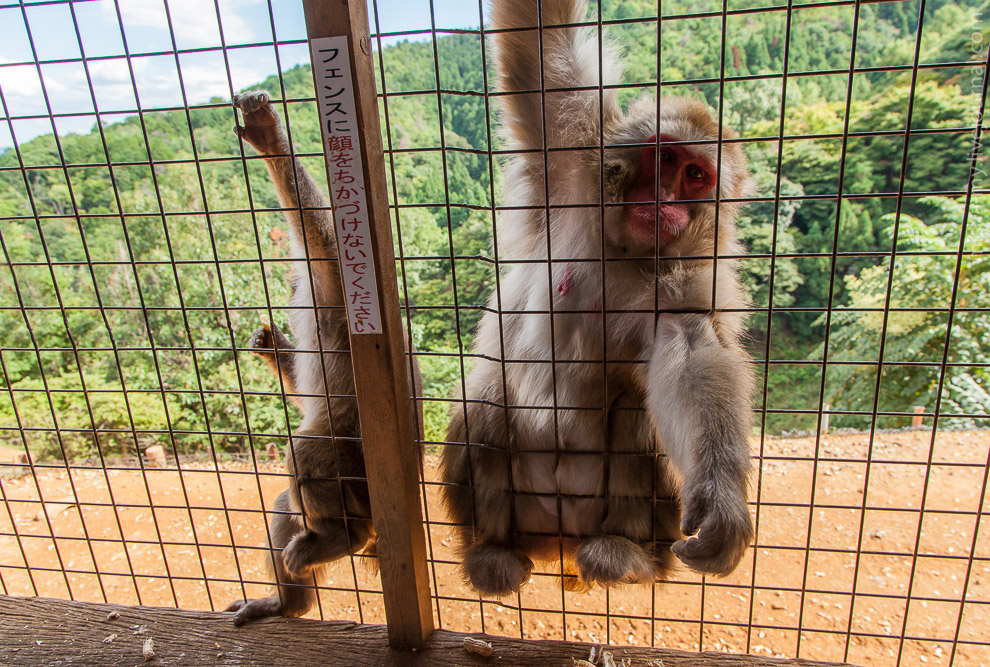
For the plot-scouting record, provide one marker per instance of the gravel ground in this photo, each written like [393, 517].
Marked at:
[172, 532]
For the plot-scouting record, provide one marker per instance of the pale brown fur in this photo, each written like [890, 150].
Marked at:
[324, 514]
[635, 428]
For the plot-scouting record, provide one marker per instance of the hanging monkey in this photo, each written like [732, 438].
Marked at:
[607, 417]
[324, 457]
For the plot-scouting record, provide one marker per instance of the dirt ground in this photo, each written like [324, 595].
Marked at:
[189, 539]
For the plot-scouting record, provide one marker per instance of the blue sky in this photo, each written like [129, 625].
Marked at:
[145, 26]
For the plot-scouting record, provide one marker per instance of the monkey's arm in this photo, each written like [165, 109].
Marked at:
[296, 189]
[698, 390]
[570, 58]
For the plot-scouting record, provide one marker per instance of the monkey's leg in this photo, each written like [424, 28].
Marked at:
[637, 535]
[698, 397]
[492, 564]
[475, 467]
[616, 556]
[337, 512]
[324, 541]
[302, 547]
[295, 595]
[496, 570]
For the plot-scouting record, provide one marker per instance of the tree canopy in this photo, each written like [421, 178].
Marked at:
[139, 255]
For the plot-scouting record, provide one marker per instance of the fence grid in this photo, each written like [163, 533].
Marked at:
[141, 438]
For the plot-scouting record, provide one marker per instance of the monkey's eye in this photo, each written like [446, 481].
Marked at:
[695, 173]
[666, 155]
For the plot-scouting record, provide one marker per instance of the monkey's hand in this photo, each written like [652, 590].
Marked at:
[720, 521]
[262, 126]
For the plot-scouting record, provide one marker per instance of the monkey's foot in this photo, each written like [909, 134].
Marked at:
[611, 559]
[248, 610]
[298, 557]
[262, 126]
[496, 571]
[268, 338]
[724, 530]
[262, 341]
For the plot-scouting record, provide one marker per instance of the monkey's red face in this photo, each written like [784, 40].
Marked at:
[681, 173]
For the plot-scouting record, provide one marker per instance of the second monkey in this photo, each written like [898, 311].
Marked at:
[607, 418]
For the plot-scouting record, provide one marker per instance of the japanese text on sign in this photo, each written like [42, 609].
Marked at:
[338, 115]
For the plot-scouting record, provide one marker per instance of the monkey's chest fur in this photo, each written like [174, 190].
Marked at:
[576, 427]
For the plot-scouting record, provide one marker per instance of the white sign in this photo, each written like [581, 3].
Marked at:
[345, 167]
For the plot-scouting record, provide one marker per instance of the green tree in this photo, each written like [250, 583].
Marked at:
[919, 282]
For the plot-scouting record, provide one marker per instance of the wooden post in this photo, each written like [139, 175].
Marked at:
[825, 415]
[378, 356]
[918, 420]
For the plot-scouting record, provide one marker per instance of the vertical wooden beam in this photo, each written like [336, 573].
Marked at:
[380, 373]
[918, 420]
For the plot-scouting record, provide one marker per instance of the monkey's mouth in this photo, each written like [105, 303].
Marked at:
[664, 220]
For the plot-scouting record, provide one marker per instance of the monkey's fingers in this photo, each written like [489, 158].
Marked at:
[695, 512]
[719, 545]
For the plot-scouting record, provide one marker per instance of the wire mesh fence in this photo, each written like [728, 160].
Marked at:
[142, 438]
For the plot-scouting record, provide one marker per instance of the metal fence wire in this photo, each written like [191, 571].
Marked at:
[141, 438]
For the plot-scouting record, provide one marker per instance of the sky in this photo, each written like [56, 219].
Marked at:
[52, 28]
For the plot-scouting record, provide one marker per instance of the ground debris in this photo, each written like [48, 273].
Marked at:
[113, 615]
[148, 650]
[599, 657]
[109, 638]
[477, 646]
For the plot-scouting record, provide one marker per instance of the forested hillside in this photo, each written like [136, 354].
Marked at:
[132, 317]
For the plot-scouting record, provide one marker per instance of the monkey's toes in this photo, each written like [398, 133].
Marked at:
[496, 571]
[261, 340]
[611, 559]
[252, 100]
[248, 610]
[298, 557]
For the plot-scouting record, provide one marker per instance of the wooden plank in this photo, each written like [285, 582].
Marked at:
[38, 632]
[380, 372]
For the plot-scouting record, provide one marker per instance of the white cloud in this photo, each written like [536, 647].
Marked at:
[194, 22]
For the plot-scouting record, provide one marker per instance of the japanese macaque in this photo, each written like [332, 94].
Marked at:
[607, 419]
[324, 515]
